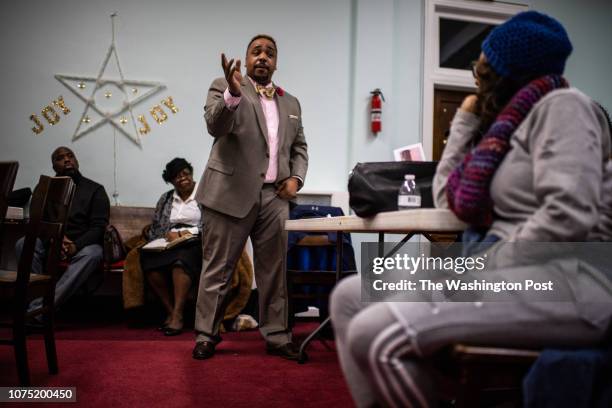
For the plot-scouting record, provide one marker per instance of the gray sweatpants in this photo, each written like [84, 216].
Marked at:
[81, 267]
[383, 347]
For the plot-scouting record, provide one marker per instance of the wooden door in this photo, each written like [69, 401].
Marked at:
[446, 103]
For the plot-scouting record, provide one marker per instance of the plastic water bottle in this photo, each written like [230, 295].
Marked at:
[409, 196]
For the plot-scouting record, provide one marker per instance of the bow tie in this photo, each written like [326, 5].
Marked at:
[267, 92]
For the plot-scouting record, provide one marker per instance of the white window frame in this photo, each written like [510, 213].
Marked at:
[435, 77]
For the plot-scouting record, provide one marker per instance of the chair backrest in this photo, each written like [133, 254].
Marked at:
[49, 211]
[8, 173]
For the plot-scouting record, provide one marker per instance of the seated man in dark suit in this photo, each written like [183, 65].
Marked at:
[83, 233]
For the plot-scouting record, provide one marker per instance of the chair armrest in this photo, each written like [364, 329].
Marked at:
[477, 354]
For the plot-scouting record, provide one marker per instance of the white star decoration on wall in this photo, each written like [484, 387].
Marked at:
[76, 85]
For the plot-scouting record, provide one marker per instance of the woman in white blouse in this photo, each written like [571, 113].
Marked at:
[177, 215]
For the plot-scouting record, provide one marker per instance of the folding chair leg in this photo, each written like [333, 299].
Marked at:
[21, 355]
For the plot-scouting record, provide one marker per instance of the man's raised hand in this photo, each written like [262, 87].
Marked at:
[232, 75]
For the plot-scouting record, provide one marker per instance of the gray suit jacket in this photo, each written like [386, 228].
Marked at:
[240, 154]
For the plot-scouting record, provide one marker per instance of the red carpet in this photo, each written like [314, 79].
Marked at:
[115, 366]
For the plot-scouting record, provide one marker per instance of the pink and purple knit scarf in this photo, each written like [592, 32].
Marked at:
[468, 187]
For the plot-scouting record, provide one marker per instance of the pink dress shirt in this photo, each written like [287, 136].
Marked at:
[270, 111]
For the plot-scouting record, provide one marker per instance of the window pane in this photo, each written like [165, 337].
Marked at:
[460, 42]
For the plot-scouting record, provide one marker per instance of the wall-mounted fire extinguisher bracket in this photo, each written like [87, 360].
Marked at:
[376, 110]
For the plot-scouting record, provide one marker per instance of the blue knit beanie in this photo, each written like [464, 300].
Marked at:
[529, 45]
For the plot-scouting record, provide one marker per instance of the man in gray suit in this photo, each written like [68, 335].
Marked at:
[257, 164]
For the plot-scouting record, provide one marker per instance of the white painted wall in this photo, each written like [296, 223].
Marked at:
[589, 25]
[331, 55]
[177, 43]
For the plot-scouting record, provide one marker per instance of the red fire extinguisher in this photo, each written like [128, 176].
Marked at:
[376, 110]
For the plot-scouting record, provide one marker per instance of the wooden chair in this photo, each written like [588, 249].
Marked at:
[48, 213]
[8, 173]
[479, 375]
[475, 376]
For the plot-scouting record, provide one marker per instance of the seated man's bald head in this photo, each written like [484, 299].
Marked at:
[57, 151]
[64, 162]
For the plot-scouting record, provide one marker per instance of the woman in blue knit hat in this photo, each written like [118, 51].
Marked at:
[527, 161]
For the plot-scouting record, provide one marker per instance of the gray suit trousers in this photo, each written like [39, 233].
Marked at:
[223, 239]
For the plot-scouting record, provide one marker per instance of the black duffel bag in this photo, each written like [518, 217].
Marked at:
[373, 187]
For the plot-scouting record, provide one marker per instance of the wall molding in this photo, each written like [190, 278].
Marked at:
[435, 77]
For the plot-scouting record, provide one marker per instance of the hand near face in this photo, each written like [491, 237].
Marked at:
[232, 75]
[469, 104]
[288, 189]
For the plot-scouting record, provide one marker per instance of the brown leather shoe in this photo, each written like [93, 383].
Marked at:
[288, 351]
[203, 350]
